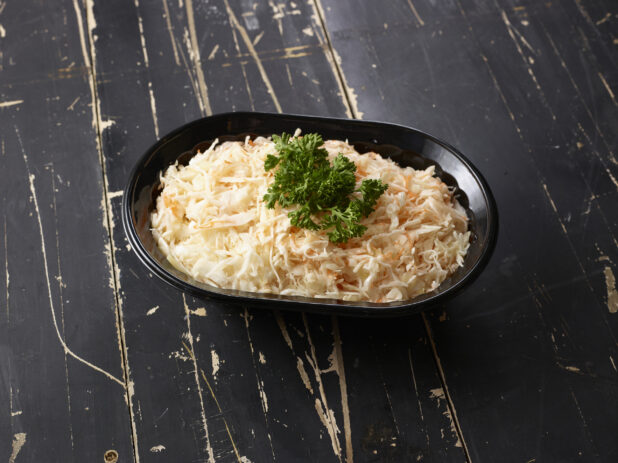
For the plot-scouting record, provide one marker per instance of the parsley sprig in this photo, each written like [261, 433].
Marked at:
[305, 177]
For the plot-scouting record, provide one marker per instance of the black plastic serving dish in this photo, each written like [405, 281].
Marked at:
[404, 145]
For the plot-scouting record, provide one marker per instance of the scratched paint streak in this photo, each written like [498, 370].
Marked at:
[438, 394]
[501, 93]
[7, 104]
[168, 24]
[19, 439]
[579, 93]
[277, 15]
[6, 271]
[343, 387]
[416, 15]
[194, 54]
[10, 395]
[325, 413]
[188, 68]
[242, 68]
[418, 398]
[152, 310]
[284, 330]
[71, 107]
[258, 38]
[300, 366]
[260, 383]
[591, 143]
[61, 285]
[452, 415]
[612, 295]
[608, 88]
[66, 348]
[142, 39]
[553, 206]
[249, 44]
[334, 60]
[512, 31]
[240, 459]
[287, 55]
[279, 53]
[585, 14]
[213, 52]
[584, 421]
[85, 55]
[211, 456]
[386, 393]
[492, 75]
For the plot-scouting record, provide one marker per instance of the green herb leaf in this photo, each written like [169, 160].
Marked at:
[306, 178]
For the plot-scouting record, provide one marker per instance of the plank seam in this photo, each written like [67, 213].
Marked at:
[87, 12]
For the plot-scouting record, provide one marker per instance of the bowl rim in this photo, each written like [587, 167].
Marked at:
[318, 305]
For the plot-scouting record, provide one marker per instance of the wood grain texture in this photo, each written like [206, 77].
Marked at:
[215, 382]
[62, 391]
[97, 354]
[528, 353]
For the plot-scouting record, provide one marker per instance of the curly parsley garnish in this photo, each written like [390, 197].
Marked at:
[322, 190]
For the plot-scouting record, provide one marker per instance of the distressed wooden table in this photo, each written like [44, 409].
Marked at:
[98, 357]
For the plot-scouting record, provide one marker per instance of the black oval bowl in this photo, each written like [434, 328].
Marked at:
[404, 145]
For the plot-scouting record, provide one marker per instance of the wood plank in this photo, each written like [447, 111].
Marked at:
[62, 390]
[528, 352]
[213, 381]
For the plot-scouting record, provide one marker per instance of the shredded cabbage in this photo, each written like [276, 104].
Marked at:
[211, 223]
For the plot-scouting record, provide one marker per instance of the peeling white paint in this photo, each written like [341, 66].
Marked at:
[19, 440]
[263, 397]
[612, 295]
[215, 363]
[106, 124]
[6, 104]
[213, 52]
[200, 312]
[300, 366]
[153, 310]
[114, 194]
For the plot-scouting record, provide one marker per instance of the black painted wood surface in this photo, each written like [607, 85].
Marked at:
[96, 354]
[63, 393]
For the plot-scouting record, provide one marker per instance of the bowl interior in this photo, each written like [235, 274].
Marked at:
[405, 146]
